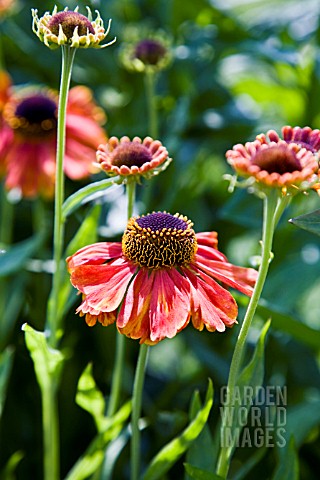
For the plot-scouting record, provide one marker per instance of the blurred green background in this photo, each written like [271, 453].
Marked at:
[239, 68]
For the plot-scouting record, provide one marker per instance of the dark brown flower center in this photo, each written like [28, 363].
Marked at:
[277, 159]
[69, 21]
[34, 116]
[150, 51]
[131, 154]
[159, 240]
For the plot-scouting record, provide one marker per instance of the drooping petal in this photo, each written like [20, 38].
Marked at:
[169, 305]
[212, 305]
[133, 320]
[210, 253]
[95, 254]
[93, 316]
[240, 278]
[103, 285]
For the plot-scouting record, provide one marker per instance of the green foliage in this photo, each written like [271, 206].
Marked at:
[169, 454]
[239, 68]
[309, 222]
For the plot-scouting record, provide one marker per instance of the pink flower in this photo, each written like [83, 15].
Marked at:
[279, 163]
[28, 132]
[159, 277]
[132, 159]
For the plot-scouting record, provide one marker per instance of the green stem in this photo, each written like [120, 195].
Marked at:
[117, 377]
[273, 208]
[150, 82]
[53, 319]
[50, 433]
[6, 220]
[136, 411]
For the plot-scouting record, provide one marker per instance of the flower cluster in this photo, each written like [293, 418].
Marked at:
[159, 277]
[28, 131]
[290, 163]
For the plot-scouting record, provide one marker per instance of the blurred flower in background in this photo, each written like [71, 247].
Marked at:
[162, 274]
[6, 7]
[144, 50]
[28, 132]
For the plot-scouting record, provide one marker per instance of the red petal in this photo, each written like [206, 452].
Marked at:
[133, 318]
[240, 278]
[95, 254]
[170, 304]
[103, 285]
[212, 305]
[209, 253]
[210, 239]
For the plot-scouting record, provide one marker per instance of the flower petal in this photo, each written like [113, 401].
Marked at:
[169, 305]
[103, 285]
[212, 305]
[133, 319]
[240, 278]
[95, 254]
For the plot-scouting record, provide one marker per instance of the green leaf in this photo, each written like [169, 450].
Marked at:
[252, 377]
[309, 222]
[8, 473]
[288, 467]
[47, 361]
[92, 459]
[87, 194]
[6, 360]
[286, 323]
[169, 454]
[90, 398]
[13, 291]
[16, 256]
[201, 452]
[112, 453]
[199, 474]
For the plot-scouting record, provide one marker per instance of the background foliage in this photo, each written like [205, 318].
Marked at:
[239, 68]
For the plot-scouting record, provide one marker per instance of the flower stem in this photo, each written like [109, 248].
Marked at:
[150, 81]
[117, 376]
[6, 218]
[273, 208]
[49, 393]
[50, 432]
[53, 318]
[136, 411]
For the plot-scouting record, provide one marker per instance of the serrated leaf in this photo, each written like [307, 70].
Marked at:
[309, 221]
[47, 361]
[90, 398]
[169, 454]
[6, 360]
[87, 194]
[16, 256]
[199, 474]
[93, 457]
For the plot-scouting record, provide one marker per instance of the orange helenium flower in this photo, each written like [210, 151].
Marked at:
[28, 133]
[132, 159]
[161, 275]
[274, 162]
